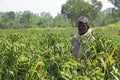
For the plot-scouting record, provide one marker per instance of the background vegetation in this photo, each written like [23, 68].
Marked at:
[70, 11]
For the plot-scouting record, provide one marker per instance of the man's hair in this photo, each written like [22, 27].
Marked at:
[84, 19]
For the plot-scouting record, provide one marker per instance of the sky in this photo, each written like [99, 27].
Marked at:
[38, 6]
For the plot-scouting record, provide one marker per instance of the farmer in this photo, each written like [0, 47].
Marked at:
[83, 40]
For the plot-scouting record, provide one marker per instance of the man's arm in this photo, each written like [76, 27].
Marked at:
[76, 45]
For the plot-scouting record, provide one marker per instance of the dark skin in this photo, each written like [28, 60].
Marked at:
[82, 28]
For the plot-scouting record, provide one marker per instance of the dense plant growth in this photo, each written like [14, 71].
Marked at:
[41, 55]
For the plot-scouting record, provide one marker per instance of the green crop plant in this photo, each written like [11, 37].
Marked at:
[35, 54]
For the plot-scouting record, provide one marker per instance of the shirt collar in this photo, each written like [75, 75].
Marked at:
[87, 33]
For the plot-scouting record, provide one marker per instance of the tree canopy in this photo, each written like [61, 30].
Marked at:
[76, 8]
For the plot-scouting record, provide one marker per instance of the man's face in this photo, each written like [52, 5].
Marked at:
[82, 28]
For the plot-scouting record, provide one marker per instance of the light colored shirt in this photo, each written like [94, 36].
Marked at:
[82, 43]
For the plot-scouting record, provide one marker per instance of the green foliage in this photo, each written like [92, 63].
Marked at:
[27, 19]
[61, 21]
[76, 8]
[111, 16]
[116, 3]
[42, 55]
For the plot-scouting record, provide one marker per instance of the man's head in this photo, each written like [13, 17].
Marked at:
[83, 25]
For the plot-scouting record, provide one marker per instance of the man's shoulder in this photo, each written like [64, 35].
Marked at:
[88, 33]
[76, 36]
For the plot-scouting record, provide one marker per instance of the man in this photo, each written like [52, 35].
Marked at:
[83, 40]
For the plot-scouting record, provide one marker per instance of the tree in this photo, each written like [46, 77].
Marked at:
[45, 20]
[110, 16]
[11, 15]
[26, 19]
[45, 15]
[61, 21]
[116, 3]
[76, 8]
[7, 19]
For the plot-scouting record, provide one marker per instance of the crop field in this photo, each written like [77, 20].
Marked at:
[44, 54]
